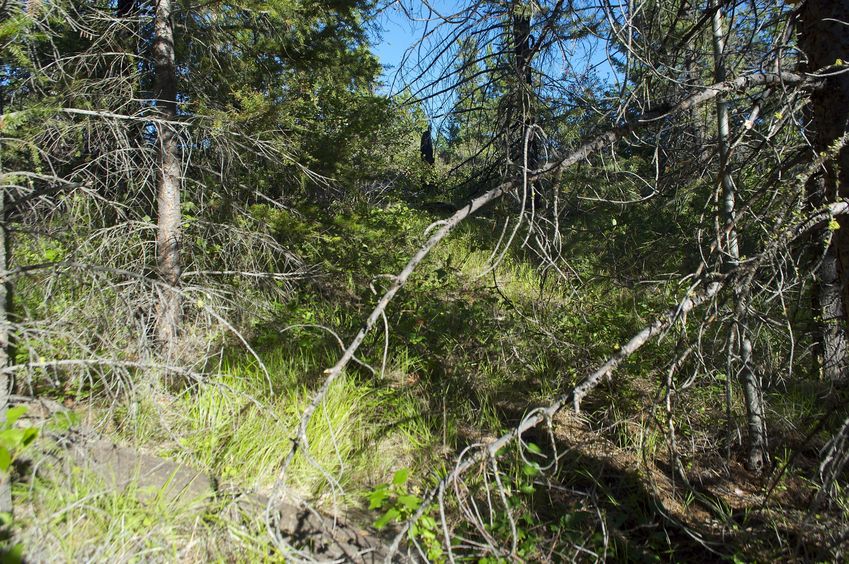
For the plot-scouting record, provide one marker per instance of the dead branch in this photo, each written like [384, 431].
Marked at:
[300, 440]
[691, 300]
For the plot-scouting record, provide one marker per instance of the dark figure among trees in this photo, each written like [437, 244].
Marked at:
[426, 146]
[126, 8]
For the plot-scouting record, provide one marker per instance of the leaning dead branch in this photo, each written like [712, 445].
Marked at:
[701, 292]
[301, 442]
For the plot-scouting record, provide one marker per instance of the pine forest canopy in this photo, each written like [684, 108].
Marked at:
[564, 280]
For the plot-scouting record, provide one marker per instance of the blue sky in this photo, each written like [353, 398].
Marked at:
[400, 31]
[398, 34]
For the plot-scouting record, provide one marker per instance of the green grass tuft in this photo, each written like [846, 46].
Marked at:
[232, 428]
[78, 518]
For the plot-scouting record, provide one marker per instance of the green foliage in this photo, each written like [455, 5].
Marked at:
[14, 439]
[225, 430]
[294, 77]
[79, 517]
[397, 503]
[295, 164]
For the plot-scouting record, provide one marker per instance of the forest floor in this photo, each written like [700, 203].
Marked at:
[471, 350]
[166, 510]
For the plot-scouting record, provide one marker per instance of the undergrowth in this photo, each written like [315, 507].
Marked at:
[78, 517]
[471, 346]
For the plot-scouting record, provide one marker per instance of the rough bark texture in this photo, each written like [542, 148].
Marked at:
[526, 146]
[5, 485]
[168, 178]
[739, 345]
[824, 39]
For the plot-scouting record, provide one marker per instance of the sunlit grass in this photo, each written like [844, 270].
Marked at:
[239, 424]
[235, 428]
[78, 518]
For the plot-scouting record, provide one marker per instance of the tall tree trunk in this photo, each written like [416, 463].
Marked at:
[739, 344]
[5, 483]
[693, 80]
[824, 39]
[168, 178]
[525, 134]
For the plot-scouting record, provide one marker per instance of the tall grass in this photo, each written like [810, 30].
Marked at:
[78, 518]
[237, 428]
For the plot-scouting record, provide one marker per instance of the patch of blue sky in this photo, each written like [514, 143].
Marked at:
[407, 32]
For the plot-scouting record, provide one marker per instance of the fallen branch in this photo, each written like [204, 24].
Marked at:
[574, 397]
[447, 226]
[300, 441]
[142, 117]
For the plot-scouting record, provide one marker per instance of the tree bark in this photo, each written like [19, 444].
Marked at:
[824, 39]
[169, 175]
[5, 482]
[527, 150]
[739, 345]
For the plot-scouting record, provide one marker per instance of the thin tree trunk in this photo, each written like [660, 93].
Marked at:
[5, 483]
[739, 345]
[168, 178]
[824, 40]
[693, 80]
[527, 151]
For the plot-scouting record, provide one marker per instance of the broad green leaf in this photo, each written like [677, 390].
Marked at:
[11, 438]
[30, 433]
[379, 495]
[400, 476]
[386, 519]
[410, 501]
[530, 469]
[14, 413]
[5, 459]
